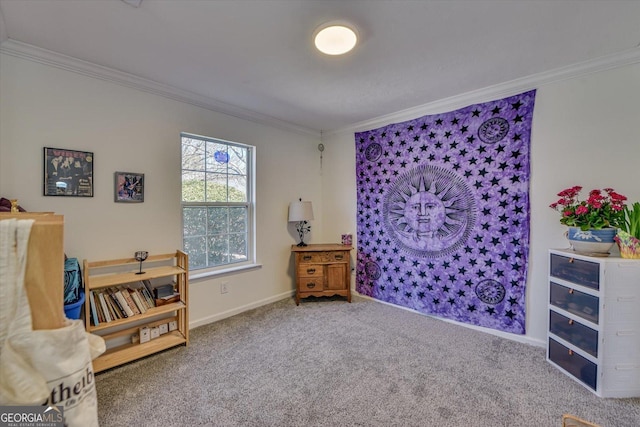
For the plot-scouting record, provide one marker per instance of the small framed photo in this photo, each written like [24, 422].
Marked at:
[128, 187]
[347, 239]
[68, 172]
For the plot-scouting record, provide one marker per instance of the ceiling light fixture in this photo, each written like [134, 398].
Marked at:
[335, 39]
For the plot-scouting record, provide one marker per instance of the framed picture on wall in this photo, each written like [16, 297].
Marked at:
[68, 172]
[128, 187]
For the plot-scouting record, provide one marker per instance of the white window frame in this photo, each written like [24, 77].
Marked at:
[250, 262]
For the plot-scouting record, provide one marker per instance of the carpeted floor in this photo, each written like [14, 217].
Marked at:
[330, 363]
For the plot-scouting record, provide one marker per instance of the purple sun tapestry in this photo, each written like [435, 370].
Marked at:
[443, 213]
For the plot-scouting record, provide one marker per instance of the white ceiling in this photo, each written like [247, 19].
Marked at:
[257, 56]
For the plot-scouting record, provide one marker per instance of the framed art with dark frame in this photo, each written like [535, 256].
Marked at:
[68, 172]
[128, 187]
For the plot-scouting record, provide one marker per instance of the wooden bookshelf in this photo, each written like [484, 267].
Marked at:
[118, 272]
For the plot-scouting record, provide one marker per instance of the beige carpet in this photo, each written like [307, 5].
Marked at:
[331, 363]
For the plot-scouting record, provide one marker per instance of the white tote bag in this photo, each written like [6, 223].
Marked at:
[42, 367]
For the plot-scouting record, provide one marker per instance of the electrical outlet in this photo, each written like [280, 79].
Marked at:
[223, 287]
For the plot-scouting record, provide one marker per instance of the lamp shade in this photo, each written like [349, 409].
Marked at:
[300, 211]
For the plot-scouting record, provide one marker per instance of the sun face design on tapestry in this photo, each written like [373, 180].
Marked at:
[443, 213]
[429, 210]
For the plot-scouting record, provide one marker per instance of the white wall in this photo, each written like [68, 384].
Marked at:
[585, 132]
[134, 131]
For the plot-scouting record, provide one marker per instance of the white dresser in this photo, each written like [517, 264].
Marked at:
[594, 321]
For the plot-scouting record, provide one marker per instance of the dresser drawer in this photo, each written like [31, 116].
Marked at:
[310, 284]
[326, 256]
[338, 256]
[310, 270]
[577, 271]
[574, 332]
[578, 366]
[623, 344]
[309, 257]
[575, 302]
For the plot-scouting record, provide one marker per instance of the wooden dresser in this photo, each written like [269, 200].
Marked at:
[322, 270]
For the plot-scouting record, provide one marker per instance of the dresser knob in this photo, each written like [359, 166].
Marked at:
[570, 352]
[571, 260]
[571, 321]
[570, 291]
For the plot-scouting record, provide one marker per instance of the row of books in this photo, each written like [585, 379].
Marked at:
[119, 302]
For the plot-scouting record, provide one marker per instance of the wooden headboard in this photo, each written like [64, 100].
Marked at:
[44, 275]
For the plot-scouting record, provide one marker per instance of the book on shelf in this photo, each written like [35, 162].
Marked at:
[92, 309]
[116, 302]
[148, 297]
[140, 289]
[148, 292]
[147, 285]
[113, 312]
[123, 302]
[137, 301]
[99, 312]
[105, 309]
[127, 296]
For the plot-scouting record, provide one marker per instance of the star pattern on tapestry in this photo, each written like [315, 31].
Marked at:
[443, 213]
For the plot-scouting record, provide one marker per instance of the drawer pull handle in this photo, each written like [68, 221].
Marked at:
[311, 285]
[570, 291]
[571, 321]
[339, 256]
[311, 270]
[570, 352]
[626, 299]
[306, 257]
[625, 333]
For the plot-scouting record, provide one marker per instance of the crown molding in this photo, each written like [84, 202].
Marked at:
[54, 59]
[85, 68]
[501, 90]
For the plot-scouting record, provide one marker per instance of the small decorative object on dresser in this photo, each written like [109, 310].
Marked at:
[592, 222]
[322, 270]
[301, 213]
[594, 321]
[592, 242]
[628, 237]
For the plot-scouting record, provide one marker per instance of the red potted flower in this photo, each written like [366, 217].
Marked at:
[593, 222]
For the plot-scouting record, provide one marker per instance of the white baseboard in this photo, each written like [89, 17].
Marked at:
[238, 310]
[216, 317]
[513, 337]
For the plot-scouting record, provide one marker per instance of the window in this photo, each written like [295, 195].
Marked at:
[217, 202]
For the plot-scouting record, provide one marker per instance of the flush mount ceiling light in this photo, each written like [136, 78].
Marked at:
[335, 39]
